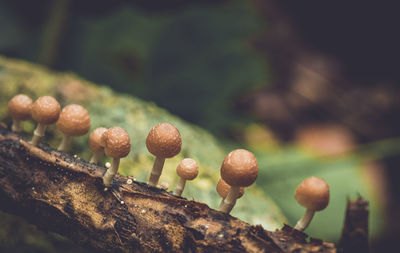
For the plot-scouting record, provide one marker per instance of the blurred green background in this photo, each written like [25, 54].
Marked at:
[245, 71]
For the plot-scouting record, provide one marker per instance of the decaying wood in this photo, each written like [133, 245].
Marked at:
[60, 193]
[355, 230]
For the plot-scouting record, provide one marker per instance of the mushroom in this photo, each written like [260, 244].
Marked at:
[19, 108]
[223, 190]
[45, 110]
[74, 121]
[95, 143]
[117, 144]
[187, 170]
[239, 169]
[163, 141]
[313, 194]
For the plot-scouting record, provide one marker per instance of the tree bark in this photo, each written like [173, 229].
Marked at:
[355, 231]
[64, 194]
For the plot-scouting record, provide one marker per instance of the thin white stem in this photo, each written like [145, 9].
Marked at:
[156, 171]
[305, 220]
[96, 157]
[38, 134]
[229, 202]
[64, 143]
[180, 186]
[16, 125]
[110, 173]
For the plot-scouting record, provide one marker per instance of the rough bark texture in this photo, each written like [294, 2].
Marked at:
[355, 230]
[65, 194]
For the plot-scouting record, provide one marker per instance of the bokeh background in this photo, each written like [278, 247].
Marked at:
[311, 88]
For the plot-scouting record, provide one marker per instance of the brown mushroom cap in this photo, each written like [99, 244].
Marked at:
[94, 139]
[313, 193]
[45, 110]
[187, 169]
[20, 107]
[239, 168]
[164, 140]
[74, 120]
[117, 142]
[223, 189]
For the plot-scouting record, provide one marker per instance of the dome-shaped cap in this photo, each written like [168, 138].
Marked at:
[187, 169]
[74, 120]
[117, 142]
[95, 139]
[223, 189]
[239, 168]
[164, 140]
[45, 110]
[20, 107]
[313, 193]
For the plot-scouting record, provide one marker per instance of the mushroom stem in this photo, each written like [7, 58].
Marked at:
[180, 186]
[16, 125]
[229, 202]
[64, 143]
[305, 220]
[110, 173]
[38, 134]
[156, 171]
[96, 157]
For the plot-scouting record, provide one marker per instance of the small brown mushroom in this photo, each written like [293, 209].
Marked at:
[163, 141]
[239, 169]
[313, 194]
[187, 170]
[19, 108]
[74, 120]
[95, 144]
[117, 144]
[45, 110]
[223, 189]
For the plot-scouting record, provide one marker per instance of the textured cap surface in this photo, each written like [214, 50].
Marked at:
[239, 168]
[45, 110]
[20, 107]
[164, 140]
[117, 142]
[95, 139]
[313, 193]
[223, 189]
[74, 120]
[187, 169]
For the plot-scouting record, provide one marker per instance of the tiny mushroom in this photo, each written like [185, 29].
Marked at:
[313, 194]
[19, 108]
[239, 169]
[223, 190]
[117, 144]
[163, 141]
[95, 144]
[187, 170]
[74, 120]
[45, 110]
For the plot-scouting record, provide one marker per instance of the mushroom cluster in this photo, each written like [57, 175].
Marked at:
[239, 169]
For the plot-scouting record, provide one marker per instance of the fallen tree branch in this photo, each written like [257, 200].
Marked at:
[60, 193]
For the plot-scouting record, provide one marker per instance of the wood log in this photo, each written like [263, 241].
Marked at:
[62, 193]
